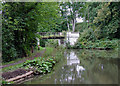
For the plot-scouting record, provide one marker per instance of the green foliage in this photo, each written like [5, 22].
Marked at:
[49, 18]
[103, 43]
[103, 21]
[80, 27]
[41, 48]
[87, 35]
[15, 23]
[8, 46]
[5, 82]
[108, 19]
[76, 9]
[49, 51]
[21, 22]
[52, 43]
[40, 66]
[68, 46]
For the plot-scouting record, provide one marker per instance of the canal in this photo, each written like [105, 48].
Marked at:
[83, 67]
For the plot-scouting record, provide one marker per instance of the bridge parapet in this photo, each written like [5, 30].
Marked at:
[52, 35]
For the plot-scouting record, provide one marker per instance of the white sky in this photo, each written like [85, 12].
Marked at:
[79, 20]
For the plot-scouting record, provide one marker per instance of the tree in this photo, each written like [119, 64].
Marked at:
[104, 21]
[71, 10]
[21, 21]
[49, 17]
[107, 20]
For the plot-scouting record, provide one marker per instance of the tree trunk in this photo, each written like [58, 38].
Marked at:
[73, 25]
[68, 26]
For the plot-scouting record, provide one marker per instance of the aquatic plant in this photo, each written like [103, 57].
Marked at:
[40, 66]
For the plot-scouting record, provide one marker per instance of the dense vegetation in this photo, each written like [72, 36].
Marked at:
[102, 27]
[22, 20]
[40, 66]
[99, 44]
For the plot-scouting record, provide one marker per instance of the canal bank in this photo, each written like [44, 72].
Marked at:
[83, 67]
[15, 75]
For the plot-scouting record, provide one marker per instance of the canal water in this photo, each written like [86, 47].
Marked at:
[83, 67]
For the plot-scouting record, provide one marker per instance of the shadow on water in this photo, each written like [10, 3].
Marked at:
[83, 67]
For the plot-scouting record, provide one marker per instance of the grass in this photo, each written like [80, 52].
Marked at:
[41, 48]
[56, 54]
[60, 61]
[14, 67]
[16, 60]
[49, 53]
[19, 59]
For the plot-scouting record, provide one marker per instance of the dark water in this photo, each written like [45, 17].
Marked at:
[83, 67]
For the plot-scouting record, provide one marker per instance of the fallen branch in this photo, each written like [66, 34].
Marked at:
[19, 77]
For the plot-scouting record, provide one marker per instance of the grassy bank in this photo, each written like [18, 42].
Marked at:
[48, 52]
[43, 64]
[19, 59]
[57, 53]
[16, 66]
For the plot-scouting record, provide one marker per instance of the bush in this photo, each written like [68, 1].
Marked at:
[81, 26]
[87, 35]
[52, 43]
[103, 43]
[36, 47]
[39, 65]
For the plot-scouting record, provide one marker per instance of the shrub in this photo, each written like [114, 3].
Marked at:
[39, 65]
[52, 43]
[103, 43]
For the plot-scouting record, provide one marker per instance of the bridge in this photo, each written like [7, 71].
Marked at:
[52, 35]
[71, 37]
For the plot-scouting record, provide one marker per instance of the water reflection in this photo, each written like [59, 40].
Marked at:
[72, 59]
[84, 67]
